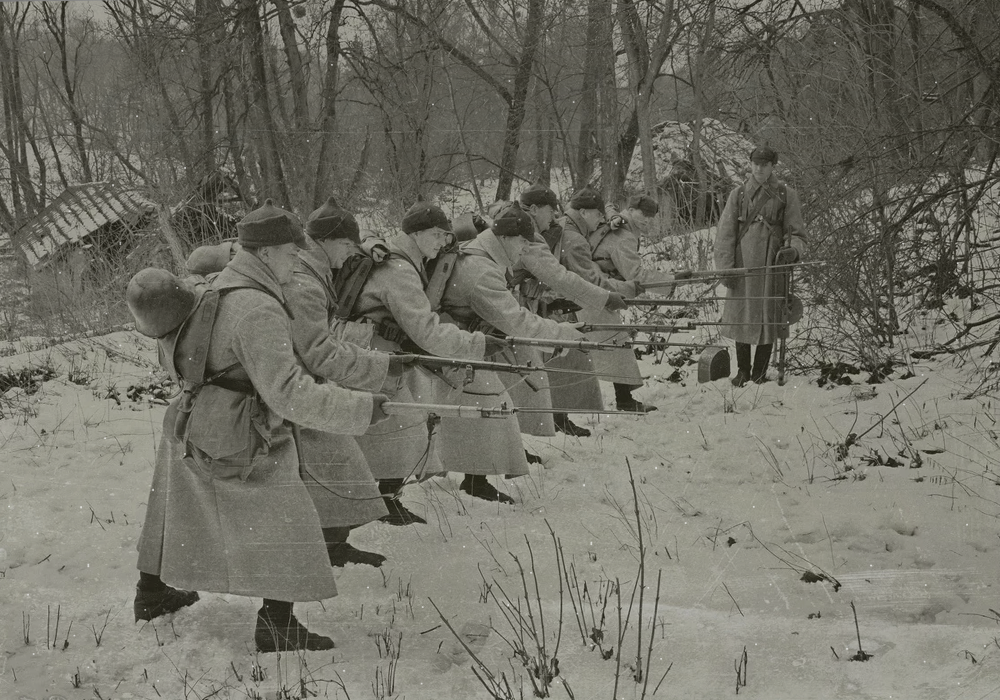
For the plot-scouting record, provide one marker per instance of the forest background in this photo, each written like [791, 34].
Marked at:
[885, 115]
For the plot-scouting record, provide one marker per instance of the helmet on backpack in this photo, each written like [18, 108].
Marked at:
[159, 301]
[207, 259]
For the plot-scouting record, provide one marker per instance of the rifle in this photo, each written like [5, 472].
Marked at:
[396, 408]
[698, 276]
[486, 365]
[585, 345]
[692, 302]
[637, 328]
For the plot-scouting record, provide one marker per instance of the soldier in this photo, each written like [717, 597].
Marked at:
[333, 467]
[395, 304]
[760, 226]
[236, 516]
[477, 297]
[584, 287]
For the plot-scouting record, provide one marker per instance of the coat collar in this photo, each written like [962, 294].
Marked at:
[751, 185]
[489, 243]
[314, 256]
[247, 265]
[405, 247]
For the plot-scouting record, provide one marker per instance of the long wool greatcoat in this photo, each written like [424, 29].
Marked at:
[478, 290]
[616, 365]
[616, 252]
[550, 279]
[400, 446]
[228, 511]
[333, 467]
[777, 225]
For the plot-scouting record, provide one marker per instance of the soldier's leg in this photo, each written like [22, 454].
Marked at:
[279, 630]
[761, 359]
[743, 367]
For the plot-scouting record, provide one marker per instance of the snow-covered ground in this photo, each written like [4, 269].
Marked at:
[744, 497]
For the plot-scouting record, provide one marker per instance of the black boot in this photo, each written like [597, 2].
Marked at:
[761, 360]
[279, 630]
[532, 458]
[154, 598]
[341, 553]
[398, 513]
[624, 401]
[565, 425]
[477, 486]
[742, 365]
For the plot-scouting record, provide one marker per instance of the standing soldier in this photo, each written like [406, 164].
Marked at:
[394, 302]
[236, 516]
[477, 297]
[761, 226]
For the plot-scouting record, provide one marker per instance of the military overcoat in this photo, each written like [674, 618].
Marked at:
[778, 223]
[333, 467]
[478, 292]
[394, 294]
[229, 512]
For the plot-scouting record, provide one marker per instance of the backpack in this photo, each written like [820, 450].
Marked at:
[348, 283]
[183, 351]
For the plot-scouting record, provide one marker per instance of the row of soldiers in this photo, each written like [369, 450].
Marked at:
[312, 400]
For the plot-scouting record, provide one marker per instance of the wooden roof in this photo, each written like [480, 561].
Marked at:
[78, 212]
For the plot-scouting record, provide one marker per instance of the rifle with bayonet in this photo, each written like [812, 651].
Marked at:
[586, 345]
[703, 276]
[396, 408]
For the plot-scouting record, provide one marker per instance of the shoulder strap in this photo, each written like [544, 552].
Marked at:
[444, 266]
[197, 329]
[752, 214]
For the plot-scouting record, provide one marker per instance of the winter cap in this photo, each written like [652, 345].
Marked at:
[424, 215]
[644, 203]
[330, 221]
[159, 301]
[587, 198]
[207, 259]
[514, 221]
[270, 226]
[764, 154]
[539, 194]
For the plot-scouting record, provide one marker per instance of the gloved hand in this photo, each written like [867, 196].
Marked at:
[786, 256]
[379, 253]
[616, 302]
[616, 221]
[639, 289]
[378, 415]
[495, 346]
[683, 274]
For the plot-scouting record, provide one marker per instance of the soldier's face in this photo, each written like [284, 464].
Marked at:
[593, 217]
[761, 170]
[339, 250]
[430, 241]
[281, 260]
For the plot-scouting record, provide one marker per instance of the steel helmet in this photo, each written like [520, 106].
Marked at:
[159, 301]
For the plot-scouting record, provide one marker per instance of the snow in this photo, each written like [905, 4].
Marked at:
[740, 492]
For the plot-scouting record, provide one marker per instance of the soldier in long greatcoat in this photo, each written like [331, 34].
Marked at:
[554, 288]
[333, 467]
[477, 296]
[394, 302]
[237, 517]
[761, 225]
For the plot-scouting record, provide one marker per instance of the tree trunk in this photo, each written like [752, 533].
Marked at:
[272, 174]
[205, 38]
[516, 108]
[323, 186]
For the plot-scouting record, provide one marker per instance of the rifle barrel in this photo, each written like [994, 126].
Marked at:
[638, 328]
[431, 360]
[397, 408]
